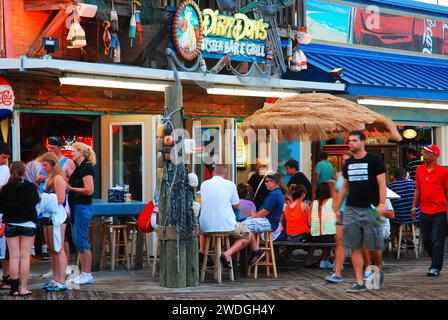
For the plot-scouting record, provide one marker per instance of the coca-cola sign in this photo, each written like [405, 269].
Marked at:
[428, 36]
[6, 98]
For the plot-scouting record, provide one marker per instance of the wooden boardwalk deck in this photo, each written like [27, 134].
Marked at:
[405, 279]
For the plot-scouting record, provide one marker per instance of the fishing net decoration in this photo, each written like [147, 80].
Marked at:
[180, 196]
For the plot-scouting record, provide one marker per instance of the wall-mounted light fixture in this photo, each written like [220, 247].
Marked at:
[111, 82]
[337, 74]
[403, 103]
[409, 133]
[242, 91]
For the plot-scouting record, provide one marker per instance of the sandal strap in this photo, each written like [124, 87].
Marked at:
[14, 286]
[6, 280]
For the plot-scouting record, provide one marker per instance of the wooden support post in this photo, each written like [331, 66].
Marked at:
[192, 263]
[176, 270]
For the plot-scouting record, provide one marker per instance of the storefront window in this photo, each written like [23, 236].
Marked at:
[208, 147]
[127, 158]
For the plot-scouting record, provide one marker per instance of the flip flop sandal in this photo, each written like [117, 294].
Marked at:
[5, 284]
[14, 293]
[26, 294]
[225, 263]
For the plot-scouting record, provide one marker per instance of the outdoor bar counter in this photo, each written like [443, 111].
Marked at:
[103, 209]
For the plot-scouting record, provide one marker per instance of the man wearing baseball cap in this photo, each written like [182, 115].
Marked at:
[431, 183]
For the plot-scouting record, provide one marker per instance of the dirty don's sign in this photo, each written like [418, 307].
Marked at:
[214, 34]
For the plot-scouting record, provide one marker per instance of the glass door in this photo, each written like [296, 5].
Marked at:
[127, 157]
[128, 149]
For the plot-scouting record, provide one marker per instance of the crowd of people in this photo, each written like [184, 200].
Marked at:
[40, 202]
[349, 209]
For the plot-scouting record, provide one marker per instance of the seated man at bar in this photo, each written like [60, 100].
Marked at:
[219, 199]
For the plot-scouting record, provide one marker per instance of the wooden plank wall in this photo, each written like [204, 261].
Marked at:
[49, 95]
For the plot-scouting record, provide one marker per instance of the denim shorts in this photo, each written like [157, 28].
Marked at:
[83, 214]
[48, 222]
[303, 237]
[15, 231]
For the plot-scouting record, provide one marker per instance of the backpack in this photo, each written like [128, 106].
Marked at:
[144, 219]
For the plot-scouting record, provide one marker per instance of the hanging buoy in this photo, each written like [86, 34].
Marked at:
[193, 180]
[139, 27]
[202, 66]
[132, 27]
[115, 53]
[169, 141]
[113, 19]
[160, 129]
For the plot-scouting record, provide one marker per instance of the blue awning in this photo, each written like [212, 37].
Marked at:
[380, 74]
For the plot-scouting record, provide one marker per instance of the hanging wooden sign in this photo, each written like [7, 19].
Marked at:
[215, 35]
[187, 26]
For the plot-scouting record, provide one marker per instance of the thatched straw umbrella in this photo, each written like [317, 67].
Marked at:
[318, 116]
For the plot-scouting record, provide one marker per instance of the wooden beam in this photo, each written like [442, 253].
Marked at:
[52, 25]
[36, 5]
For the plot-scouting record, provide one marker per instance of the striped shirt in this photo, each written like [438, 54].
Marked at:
[402, 207]
[411, 167]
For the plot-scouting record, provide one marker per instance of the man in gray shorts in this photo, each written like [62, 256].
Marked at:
[365, 183]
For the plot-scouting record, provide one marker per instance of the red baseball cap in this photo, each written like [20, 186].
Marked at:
[433, 149]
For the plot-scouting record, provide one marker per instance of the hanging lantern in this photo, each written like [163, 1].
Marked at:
[6, 98]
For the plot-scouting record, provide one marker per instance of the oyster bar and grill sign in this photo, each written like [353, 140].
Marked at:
[215, 35]
[6, 98]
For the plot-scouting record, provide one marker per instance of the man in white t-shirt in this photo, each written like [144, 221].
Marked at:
[219, 199]
[5, 154]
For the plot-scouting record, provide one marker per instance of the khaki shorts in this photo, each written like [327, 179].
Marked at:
[240, 232]
[361, 228]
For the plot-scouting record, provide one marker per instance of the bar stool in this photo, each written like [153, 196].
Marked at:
[404, 230]
[269, 258]
[132, 233]
[115, 240]
[217, 241]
